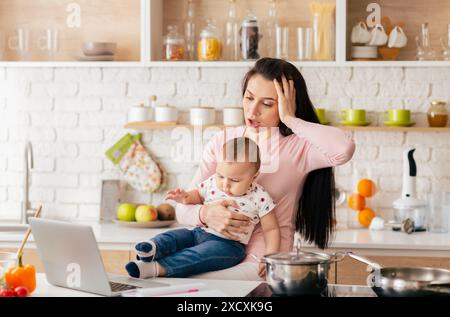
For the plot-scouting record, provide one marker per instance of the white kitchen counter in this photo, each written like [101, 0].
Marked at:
[230, 288]
[111, 236]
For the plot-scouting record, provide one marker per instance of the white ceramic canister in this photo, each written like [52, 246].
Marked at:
[233, 116]
[139, 113]
[166, 114]
[202, 116]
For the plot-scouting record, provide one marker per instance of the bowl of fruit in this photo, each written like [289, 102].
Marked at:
[145, 215]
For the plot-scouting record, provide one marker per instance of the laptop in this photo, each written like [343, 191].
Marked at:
[72, 259]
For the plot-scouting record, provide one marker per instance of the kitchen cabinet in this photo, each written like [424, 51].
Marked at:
[75, 22]
[410, 14]
[350, 271]
[138, 26]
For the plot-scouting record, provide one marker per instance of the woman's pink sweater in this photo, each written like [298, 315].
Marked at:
[286, 161]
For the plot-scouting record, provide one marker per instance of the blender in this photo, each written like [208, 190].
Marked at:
[409, 206]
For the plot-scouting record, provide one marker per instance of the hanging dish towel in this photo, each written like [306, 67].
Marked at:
[135, 164]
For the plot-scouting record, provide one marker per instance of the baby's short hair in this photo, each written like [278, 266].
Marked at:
[241, 149]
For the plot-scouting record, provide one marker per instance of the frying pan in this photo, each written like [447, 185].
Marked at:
[406, 281]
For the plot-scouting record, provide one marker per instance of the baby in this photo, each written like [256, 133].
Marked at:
[183, 252]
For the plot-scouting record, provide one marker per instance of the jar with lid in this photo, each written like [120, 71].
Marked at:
[250, 37]
[437, 114]
[174, 45]
[209, 46]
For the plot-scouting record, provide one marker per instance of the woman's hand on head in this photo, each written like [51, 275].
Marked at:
[218, 217]
[286, 99]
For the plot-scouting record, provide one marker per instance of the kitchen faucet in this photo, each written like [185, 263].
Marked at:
[28, 165]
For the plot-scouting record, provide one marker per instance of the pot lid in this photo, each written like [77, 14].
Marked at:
[297, 258]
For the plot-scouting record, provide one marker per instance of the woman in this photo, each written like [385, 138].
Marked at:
[302, 184]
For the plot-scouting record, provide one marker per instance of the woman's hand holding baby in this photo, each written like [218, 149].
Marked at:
[226, 222]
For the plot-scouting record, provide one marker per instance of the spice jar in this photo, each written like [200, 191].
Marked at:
[437, 114]
[250, 37]
[174, 45]
[209, 46]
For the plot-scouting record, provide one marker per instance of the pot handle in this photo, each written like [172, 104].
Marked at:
[365, 260]
[337, 256]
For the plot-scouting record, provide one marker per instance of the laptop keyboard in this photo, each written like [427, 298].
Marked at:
[119, 287]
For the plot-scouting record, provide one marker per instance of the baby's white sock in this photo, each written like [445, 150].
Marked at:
[139, 269]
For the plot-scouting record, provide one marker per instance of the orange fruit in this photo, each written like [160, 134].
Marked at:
[365, 217]
[356, 202]
[366, 187]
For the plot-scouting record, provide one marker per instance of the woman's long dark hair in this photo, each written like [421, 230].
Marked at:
[314, 220]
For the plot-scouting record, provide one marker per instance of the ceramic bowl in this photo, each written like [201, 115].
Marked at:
[99, 48]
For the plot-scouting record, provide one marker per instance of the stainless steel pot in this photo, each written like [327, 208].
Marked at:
[406, 281]
[299, 273]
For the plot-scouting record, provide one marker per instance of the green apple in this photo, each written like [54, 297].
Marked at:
[146, 213]
[126, 212]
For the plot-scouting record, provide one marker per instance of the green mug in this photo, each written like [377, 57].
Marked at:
[397, 115]
[353, 115]
[320, 112]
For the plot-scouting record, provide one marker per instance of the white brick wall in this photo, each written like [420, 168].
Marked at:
[72, 115]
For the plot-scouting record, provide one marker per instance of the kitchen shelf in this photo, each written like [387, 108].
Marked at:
[409, 14]
[151, 125]
[398, 129]
[77, 22]
[142, 24]
[26, 64]
[221, 64]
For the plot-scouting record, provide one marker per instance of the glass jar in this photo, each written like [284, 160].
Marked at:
[269, 39]
[231, 49]
[437, 114]
[250, 38]
[209, 47]
[174, 45]
[324, 30]
[189, 31]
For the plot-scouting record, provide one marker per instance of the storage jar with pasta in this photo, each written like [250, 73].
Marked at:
[324, 29]
[209, 46]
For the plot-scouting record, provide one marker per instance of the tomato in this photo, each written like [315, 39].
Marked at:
[21, 291]
[6, 293]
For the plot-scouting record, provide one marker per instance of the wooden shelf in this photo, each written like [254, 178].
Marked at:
[398, 129]
[150, 125]
[221, 64]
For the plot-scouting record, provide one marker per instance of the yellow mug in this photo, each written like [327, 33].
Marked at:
[397, 115]
[353, 115]
[321, 115]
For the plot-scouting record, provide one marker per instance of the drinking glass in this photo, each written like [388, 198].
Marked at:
[48, 42]
[2, 44]
[304, 38]
[282, 42]
[439, 204]
[424, 50]
[20, 42]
